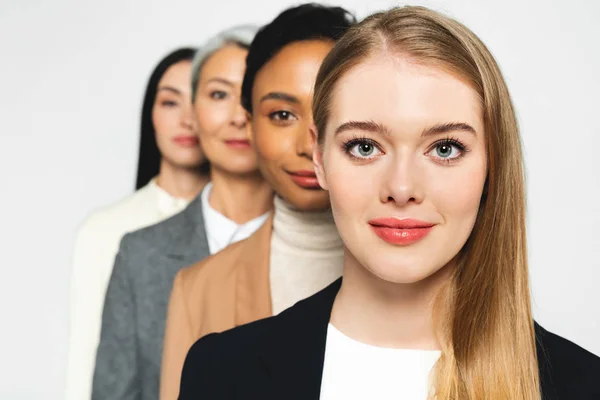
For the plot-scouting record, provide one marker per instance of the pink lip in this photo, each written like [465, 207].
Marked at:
[306, 179]
[400, 231]
[238, 143]
[186, 141]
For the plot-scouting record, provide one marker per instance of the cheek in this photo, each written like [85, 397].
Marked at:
[457, 194]
[164, 123]
[272, 144]
[211, 117]
[352, 188]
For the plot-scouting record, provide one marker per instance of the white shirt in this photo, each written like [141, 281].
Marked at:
[307, 254]
[220, 230]
[96, 245]
[355, 370]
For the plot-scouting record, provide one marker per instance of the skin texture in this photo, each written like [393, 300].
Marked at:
[388, 291]
[281, 124]
[402, 174]
[220, 116]
[172, 116]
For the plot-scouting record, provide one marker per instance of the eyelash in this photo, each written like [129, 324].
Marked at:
[347, 147]
[219, 92]
[449, 141]
[169, 103]
[275, 117]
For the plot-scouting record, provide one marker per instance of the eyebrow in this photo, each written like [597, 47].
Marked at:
[448, 127]
[280, 96]
[369, 126]
[372, 126]
[170, 89]
[220, 80]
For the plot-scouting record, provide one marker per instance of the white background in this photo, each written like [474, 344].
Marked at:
[72, 76]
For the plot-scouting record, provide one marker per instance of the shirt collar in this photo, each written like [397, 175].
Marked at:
[220, 230]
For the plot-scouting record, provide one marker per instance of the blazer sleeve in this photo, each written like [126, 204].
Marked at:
[179, 338]
[116, 376]
[202, 376]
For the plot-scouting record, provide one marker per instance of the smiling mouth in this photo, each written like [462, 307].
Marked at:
[238, 143]
[305, 179]
[400, 232]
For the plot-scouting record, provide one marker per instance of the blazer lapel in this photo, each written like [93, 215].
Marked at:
[252, 285]
[294, 352]
[188, 242]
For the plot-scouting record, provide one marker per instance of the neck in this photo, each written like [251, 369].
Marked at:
[387, 314]
[180, 182]
[240, 198]
[305, 230]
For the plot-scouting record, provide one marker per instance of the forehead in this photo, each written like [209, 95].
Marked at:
[402, 93]
[177, 74]
[293, 69]
[228, 62]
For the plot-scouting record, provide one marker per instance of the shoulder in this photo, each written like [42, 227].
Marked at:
[219, 264]
[116, 216]
[566, 368]
[231, 346]
[161, 232]
[180, 226]
[208, 276]
[214, 359]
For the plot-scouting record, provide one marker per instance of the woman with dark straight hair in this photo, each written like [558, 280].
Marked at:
[172, 171]
[150, 158]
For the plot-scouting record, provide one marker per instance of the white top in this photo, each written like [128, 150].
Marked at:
[307, 254]
[355, 370]
[96, 245]
[220, 230]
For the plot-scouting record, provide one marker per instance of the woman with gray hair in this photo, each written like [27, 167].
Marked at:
[235, 203]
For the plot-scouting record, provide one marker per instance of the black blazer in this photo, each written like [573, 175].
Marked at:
[282, 358]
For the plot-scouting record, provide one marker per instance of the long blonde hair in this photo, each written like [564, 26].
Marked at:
[483, 316]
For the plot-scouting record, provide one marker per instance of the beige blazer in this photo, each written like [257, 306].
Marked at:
[228, 289]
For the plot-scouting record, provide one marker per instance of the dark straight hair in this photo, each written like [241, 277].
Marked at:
[149, 156]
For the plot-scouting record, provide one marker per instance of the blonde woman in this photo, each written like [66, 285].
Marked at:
[418, 146]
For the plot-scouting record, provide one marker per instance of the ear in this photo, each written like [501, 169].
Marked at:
[317, 157]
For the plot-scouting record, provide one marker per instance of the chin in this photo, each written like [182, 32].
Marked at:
[313, 201]
[242, 167]
[189, 163]
[402, 270]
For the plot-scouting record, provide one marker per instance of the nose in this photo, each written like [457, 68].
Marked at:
[239, 119]
[304, 141]
[188, 118]
[402, 183]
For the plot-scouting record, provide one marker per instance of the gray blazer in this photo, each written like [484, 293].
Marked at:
[135, 309]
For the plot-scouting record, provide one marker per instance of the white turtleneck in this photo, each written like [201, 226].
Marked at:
[306, 254]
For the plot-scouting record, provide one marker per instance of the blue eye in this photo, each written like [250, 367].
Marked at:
[448, 150]
[362, 149]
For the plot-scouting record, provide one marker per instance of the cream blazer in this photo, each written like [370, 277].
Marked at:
[96, 245]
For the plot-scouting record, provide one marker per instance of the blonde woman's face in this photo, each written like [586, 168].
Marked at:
[405, 165]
